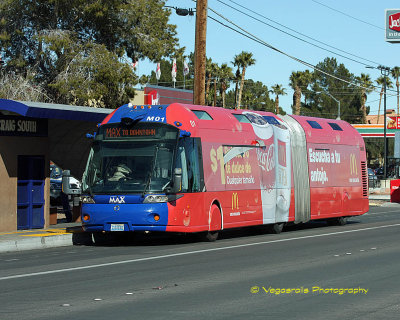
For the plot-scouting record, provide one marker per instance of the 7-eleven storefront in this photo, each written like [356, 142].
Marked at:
[375, 133]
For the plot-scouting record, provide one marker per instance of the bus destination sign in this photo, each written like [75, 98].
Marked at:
[126, 132]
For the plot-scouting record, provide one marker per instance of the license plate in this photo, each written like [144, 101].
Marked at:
[117, 227]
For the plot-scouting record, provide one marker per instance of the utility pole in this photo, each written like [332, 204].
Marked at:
[200, 53]
[385, 72]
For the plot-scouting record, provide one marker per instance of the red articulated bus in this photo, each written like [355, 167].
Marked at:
[188, 168]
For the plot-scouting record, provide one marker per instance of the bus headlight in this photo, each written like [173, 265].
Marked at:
[87, 199]
[154, 198]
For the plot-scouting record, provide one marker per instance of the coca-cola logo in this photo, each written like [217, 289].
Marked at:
[394, 21]
[266, 160]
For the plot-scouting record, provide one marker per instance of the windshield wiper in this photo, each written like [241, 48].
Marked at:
[151, 171]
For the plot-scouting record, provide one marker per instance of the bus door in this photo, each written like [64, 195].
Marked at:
[189, 158]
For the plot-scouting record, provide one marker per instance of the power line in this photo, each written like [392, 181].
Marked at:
[256, 39]
[347, 15]
[250, 36]
[304, 35]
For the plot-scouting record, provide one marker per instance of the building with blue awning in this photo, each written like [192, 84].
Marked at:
[32, 134]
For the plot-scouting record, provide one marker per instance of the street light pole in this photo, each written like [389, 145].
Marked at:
[385, 73]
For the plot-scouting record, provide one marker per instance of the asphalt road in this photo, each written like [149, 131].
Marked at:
[308, 272]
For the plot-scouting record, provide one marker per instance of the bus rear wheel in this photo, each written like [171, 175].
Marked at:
[276, 228]
[341, 221]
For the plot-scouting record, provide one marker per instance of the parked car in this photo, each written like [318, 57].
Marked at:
[56, 185]
[372, 179]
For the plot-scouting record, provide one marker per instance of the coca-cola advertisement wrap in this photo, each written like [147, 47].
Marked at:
[283, 172]
[267, 165]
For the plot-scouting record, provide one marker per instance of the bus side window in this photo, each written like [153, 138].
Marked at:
[188, 159]
[193, 165]
[181, 163]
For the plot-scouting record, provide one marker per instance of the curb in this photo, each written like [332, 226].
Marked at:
[46, 242]
[32, 243]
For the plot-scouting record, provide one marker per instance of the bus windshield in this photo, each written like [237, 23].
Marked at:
[129, 165]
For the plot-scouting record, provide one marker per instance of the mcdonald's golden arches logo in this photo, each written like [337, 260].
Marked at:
[353, 164]
[235, 201]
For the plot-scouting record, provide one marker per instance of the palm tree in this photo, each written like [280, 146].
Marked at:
[299, 80]
[215, 72]
[209, 64]
[295, 83]
[366, 87]
[381, 82]
[307, 78]
[237, 79]
[225, 73]
[395, 72]
[243, 60]
[278, 90]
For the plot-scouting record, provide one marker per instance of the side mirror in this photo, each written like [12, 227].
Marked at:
[66, 184]
[177, 180]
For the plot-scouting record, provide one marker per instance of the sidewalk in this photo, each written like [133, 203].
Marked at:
[59, 235]
[67, 234]
[378, 196]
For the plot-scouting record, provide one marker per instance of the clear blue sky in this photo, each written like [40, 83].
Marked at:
[357, 29]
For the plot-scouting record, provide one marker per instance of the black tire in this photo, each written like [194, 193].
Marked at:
[341, 221]
[110, 238]
[100, 239]
[276, 228]
[211, 236]
[208, 236]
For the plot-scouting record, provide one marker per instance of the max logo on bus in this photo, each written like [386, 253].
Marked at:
[117, 199]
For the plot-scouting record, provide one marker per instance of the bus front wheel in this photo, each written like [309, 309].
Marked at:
[214, 224]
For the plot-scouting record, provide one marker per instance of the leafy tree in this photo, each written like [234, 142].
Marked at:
[255, 96]
[19, 87]
[94, 77]
[243, 60]
[49, 36]
[345, 92]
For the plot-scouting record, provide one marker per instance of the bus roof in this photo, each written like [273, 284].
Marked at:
[193, 118]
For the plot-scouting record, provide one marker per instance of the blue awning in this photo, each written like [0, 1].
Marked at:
[67, 128]
[54, 111]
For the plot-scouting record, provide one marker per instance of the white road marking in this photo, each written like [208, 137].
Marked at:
[189, 253]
